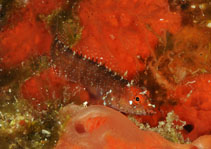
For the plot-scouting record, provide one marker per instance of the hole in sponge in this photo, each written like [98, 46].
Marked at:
[80, 128]
[188, 127]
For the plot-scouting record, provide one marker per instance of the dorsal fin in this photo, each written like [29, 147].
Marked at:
[101, 65]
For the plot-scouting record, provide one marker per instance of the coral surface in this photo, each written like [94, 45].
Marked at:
[120, 34]
[194, 106]
[31, 39]
[29, 36]
[48, 87]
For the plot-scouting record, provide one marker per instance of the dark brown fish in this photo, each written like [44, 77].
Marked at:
[114, 90]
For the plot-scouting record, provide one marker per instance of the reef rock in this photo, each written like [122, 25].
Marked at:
[48, 87]
[194, 105]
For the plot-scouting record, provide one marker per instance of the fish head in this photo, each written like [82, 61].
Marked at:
[135, 101]
[139, 100]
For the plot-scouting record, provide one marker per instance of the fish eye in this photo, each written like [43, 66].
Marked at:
[137, 100]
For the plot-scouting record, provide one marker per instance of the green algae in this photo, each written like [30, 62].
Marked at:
[23, 127]
[65, 24]
[168, 129]
[26, 69]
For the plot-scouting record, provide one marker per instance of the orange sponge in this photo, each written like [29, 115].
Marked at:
[101, 127]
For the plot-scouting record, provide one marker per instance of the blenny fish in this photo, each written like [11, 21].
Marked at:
[115, 91]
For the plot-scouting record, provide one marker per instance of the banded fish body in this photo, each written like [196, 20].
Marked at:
[114, 90]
